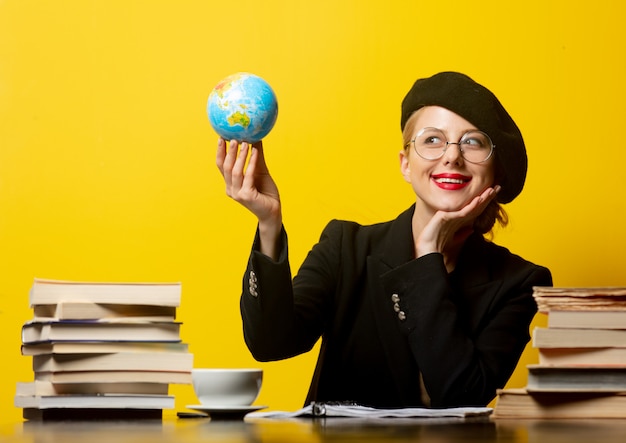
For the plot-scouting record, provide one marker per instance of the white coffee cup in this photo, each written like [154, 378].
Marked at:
[226, 387]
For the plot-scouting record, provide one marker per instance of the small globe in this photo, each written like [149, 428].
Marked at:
[242, 107]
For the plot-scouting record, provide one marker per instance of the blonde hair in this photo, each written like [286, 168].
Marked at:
[494, 212]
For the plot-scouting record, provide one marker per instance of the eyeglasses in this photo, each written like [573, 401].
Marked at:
[431, 144]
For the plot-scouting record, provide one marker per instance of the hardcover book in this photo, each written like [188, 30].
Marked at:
[52, 292]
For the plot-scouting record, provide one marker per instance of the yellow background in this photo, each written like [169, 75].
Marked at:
[107, 157]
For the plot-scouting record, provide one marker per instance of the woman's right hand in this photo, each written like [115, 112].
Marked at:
[447, 231]
[249, 182]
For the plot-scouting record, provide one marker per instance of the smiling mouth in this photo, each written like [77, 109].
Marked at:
[451, 182]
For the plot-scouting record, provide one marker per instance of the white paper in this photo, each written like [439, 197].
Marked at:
[356, 411]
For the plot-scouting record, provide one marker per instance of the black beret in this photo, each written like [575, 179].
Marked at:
[476, 104]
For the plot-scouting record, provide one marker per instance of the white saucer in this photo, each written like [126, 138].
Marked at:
[237, 411]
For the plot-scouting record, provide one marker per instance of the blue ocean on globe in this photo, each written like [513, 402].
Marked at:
[242, 107]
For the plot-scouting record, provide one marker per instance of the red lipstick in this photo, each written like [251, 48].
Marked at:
[451, 182]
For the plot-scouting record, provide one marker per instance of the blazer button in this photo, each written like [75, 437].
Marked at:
[401, 316]
[395, 298]
[252, 284]
[396, 307]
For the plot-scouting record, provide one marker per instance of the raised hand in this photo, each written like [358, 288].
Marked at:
[249, 182]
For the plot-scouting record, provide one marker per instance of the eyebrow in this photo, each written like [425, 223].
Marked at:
[445, 132]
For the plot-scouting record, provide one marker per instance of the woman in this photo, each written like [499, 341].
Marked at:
[418, 311]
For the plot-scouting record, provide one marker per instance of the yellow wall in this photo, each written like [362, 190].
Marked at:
[107, 158]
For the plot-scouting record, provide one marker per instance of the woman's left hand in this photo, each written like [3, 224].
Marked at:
[447, 231]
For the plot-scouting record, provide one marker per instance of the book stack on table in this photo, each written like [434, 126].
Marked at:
[582, 357]
[102, 350]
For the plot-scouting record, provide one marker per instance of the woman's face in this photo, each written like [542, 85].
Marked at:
[450, 182]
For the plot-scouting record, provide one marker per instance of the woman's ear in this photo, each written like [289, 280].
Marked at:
[405, 167]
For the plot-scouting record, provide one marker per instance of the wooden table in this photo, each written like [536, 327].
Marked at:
[317, 430]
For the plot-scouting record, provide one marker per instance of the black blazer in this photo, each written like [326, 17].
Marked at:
[386, 317]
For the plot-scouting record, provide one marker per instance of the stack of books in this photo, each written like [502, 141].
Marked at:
[102, 350]
[582, 357]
